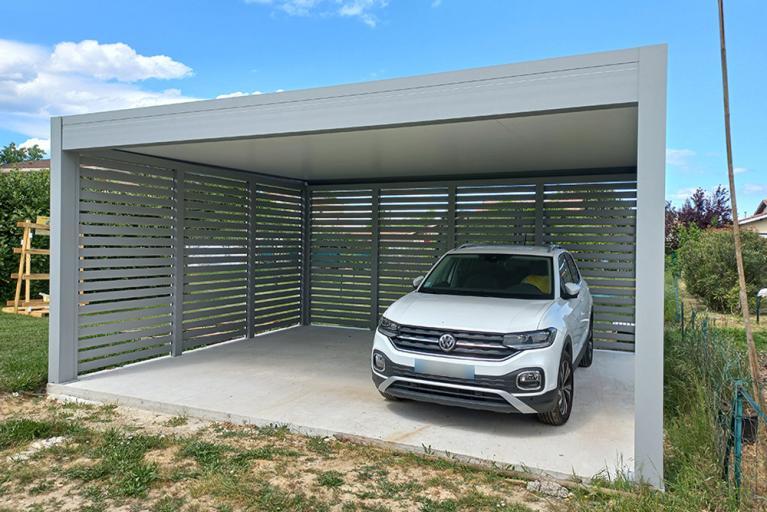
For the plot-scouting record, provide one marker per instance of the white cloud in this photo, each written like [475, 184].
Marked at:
[75, 78]
[361, 9]
[755, 188]
[116, 61]
[679, 157]
[18, 61]
[740, 170]
[45, 144]
[236, 94]
[683, 193]
[364, 10]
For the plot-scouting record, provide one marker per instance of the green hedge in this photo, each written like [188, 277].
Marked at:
[23, 195]
[707, 261]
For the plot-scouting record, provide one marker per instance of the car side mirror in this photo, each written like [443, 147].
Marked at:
[417, 281]
[572, 290]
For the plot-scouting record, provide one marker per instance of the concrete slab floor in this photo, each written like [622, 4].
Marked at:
[317, 380]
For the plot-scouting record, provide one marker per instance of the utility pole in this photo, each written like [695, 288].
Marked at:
[753, 359]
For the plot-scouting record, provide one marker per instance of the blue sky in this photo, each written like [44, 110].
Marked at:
[62, 57]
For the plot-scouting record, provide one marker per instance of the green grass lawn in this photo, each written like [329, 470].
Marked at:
[23, 353]
[693, 468]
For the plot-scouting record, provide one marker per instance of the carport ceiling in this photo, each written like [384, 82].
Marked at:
[584, 139]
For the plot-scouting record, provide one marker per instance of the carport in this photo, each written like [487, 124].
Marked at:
[263, 233]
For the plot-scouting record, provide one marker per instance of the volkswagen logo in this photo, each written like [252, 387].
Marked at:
[447, 342]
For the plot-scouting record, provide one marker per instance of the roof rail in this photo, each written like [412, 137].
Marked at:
[464, 246]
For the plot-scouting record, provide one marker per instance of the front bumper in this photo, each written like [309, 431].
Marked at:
[493, 387]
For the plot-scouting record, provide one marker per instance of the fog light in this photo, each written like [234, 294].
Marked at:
[379, 362]
[529, 380]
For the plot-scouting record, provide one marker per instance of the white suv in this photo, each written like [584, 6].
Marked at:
[497, 328]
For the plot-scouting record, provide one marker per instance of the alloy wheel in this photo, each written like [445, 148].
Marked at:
[565, 386]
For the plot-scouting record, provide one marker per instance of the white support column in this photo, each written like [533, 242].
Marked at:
[65, 186]
[651, 165]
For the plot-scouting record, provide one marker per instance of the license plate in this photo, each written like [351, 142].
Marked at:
[458, 371]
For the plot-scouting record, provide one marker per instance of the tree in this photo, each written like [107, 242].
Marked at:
[672, 228]
[35, 152]
[706, 210]
[701, 210]
[12, 154]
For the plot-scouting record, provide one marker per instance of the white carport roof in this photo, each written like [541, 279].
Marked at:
[565, 113]
[597, 111]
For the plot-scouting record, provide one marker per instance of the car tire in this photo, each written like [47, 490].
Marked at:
[566, 388]
[588, 355]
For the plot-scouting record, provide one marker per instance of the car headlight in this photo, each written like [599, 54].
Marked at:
[532, 339]
[387, 327]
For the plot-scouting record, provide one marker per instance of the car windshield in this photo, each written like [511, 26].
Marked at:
[492, 275]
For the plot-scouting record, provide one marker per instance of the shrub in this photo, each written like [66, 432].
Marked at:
[707, 260]
[23, 195]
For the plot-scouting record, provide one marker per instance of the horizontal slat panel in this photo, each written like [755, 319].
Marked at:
[216, 230]
[341, 228]
[97, 330]
[126, 267]
[128, 357]
[213, 339]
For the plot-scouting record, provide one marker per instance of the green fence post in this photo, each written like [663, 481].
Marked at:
[706, 350]
[681, 323]
[738, 448]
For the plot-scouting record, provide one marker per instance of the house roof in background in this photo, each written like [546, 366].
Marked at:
[34, 165]
[762, 208]
[759, 214]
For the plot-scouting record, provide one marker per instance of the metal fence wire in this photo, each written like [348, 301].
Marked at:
[744, 460]
[741, 426]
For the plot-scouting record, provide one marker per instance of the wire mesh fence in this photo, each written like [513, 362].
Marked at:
[740, 428]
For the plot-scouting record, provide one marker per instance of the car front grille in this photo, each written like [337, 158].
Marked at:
[425, 340]
[436, 391]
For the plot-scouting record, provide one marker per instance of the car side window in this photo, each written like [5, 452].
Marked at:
[564, 272]
[573, 268]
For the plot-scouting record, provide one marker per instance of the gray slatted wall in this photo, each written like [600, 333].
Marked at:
[597, 222]
[230, 232]
[495, 213]
[126, 266]
[413, 234]
[216, 228]
[240, 234]
[593, 216]
[341, 256]
[277, 256]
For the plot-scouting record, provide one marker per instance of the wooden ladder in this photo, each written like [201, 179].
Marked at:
[36, 307]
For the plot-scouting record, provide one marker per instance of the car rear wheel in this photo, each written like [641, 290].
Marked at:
[565, 391]
[588, 356]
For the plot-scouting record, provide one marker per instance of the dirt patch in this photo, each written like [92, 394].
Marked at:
[189, 464]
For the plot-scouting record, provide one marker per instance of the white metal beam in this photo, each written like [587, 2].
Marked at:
[607, 78]
[651, 168]
[65, 183]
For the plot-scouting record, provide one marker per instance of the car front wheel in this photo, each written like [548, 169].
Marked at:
[565, 391]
